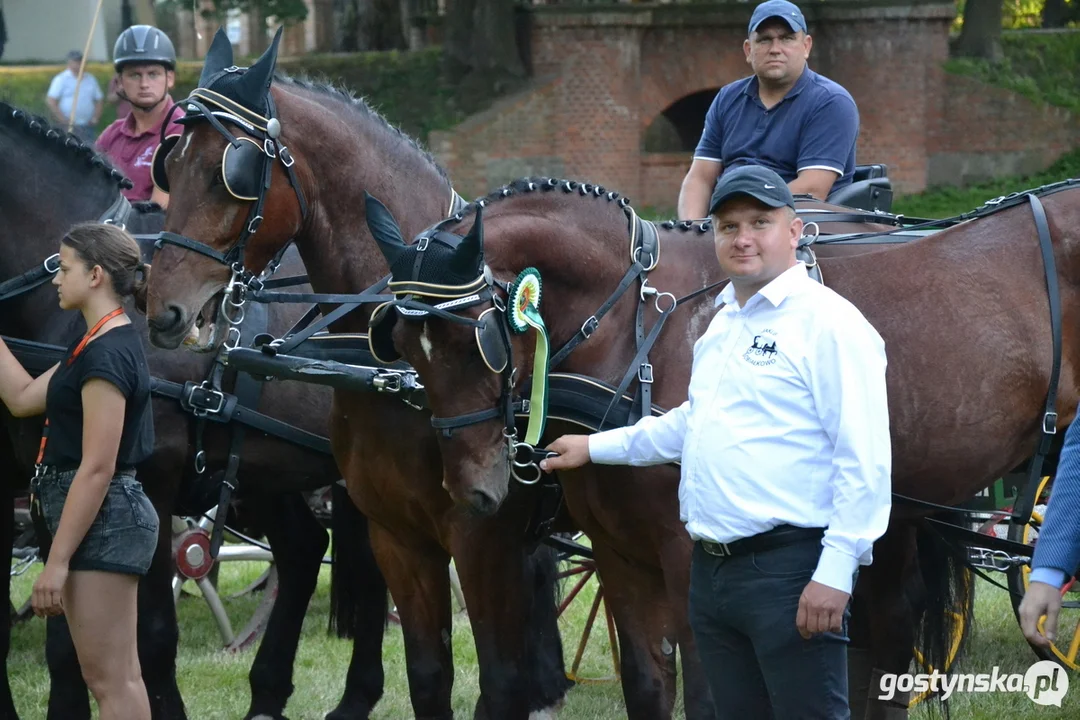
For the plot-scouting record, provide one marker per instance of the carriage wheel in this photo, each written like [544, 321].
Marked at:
[583, 571]
[960, 615]
[1019, 577]
[191, 551]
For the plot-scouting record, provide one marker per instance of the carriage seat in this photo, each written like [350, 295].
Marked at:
[870, 189]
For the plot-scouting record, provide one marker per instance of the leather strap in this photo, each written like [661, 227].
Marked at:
[1048, 425]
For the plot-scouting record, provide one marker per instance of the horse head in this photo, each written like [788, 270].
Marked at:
[447, 321]
[234, 190]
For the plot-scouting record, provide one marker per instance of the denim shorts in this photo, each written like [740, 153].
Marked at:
[123, 536]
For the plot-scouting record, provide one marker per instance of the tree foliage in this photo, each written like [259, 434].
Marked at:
[287, 12]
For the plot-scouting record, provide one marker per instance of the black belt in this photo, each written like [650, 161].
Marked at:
[777, 537]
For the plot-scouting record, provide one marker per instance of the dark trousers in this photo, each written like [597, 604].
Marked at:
[742, 612]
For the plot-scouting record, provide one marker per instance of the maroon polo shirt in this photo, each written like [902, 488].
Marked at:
[132, 152]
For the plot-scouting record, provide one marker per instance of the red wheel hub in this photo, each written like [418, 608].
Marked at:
[192, 552]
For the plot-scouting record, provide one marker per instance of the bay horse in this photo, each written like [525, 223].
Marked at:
[339, 147]
[53, 181]
[963, 312]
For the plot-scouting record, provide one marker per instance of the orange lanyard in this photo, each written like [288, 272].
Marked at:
[78, 350]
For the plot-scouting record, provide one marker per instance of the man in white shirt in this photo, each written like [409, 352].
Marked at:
[786, 460]
[61, 95]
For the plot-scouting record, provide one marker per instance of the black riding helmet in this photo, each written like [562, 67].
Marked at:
[143, 44]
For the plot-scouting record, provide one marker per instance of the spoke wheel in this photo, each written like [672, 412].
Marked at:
[1066, 649]
[191, 542]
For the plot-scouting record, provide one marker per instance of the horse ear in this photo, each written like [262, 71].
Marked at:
[256, 80]
[384, 229]
[218, 57]
[469, 255]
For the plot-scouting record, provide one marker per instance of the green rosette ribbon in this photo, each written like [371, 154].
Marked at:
[524, 313]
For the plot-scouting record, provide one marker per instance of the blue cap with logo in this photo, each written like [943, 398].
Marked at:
[757, 181]
[789, 12]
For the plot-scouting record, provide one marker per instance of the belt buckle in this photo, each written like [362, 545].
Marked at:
[717, 549]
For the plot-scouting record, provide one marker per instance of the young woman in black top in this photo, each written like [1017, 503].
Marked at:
[98, 426]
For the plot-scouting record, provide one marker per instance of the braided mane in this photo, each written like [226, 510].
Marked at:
[39, 127]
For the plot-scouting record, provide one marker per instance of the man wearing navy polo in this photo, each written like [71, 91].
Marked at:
[785, 117]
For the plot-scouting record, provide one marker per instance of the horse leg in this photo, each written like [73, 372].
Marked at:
[499, 586]
[647, 632]
[895, 595]
[358, 606]
[545, 672]
[158, 633]
[69, 697]
[298, 542]
[675, 560]
[7, 539]
[418, 576]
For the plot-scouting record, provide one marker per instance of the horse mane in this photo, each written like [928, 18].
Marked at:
[326, 90]
[37, 126]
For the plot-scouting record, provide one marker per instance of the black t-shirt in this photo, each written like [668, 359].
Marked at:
[116, 356]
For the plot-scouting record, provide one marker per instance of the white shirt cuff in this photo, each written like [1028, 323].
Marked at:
[606, 448]
[836, 569]
[1048, 575]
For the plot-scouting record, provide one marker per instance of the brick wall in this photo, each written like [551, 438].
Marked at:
[988, 132]
[601, 77]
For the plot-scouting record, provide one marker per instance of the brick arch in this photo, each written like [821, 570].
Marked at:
[678, 128]
[679, 63]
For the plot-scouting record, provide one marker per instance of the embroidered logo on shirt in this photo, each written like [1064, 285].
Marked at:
[763, 350]
[145, 157]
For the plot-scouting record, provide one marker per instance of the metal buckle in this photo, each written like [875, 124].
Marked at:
[423, 243]
[286, 157]
[589, 326]
[52, 271]
[203, 409]
[268, 148]
[715, 548]
[253, 226]
[1050, 423]
[644, 373]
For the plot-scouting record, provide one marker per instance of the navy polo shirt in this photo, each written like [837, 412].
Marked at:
[814, 127]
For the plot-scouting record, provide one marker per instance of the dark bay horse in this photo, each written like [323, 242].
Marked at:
[50, 182]
[385, 450]
[964, 315]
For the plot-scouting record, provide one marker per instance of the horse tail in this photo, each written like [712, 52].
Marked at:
[547, 672]
[357, 586]
[949, 597]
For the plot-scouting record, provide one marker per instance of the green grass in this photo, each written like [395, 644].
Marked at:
[214, 684]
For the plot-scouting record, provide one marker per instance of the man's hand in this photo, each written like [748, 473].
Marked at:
[1040, 599]
[821, 609]
[573, 452]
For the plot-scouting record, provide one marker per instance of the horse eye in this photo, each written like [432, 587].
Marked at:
[218, 179]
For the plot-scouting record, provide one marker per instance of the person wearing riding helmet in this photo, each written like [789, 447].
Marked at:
[145, 63]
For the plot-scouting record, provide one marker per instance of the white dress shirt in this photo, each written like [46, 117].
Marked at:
[786, 423]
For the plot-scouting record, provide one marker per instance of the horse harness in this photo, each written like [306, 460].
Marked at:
[246, 166]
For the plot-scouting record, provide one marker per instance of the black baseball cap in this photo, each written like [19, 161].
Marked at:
[757, 181]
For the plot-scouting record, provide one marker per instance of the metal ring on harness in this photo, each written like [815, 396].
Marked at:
[656, 302]
[232, 337]
[200, 462]
[52, 271]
